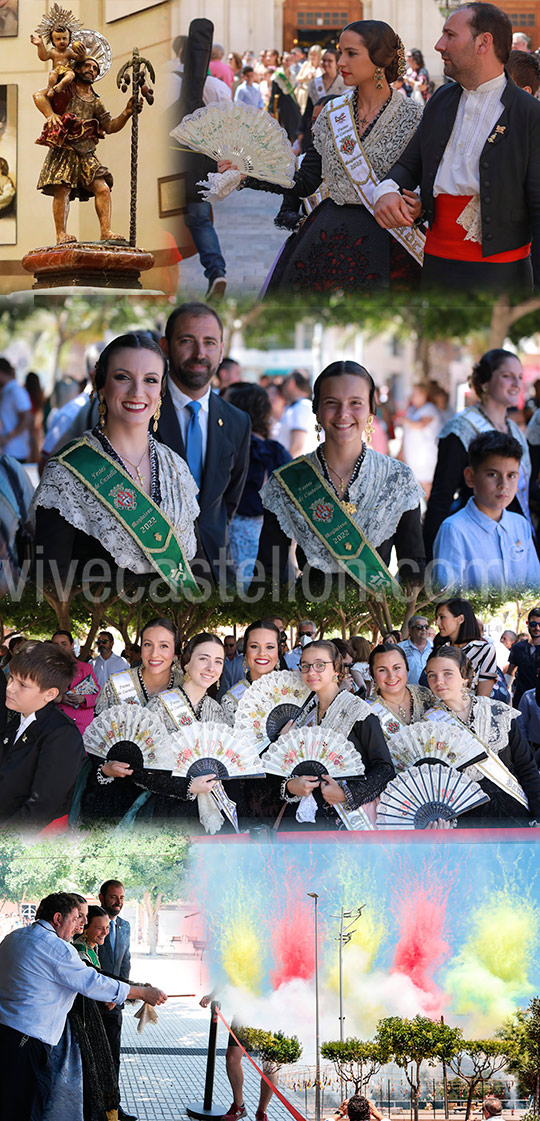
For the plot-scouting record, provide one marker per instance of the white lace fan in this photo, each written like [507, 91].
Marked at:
[251, 139]
[268, 704]
[132, 725]
[425, 793]
[310, 751]
[202, 749]
[435, 741]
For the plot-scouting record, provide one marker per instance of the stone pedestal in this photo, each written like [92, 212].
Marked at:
[95, 264]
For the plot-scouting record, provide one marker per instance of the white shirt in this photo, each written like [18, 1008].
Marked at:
[299, 416]
[25, 721]
[104, 667]
[458, 172]
[249, 95]
[14, 399]
[180, 400]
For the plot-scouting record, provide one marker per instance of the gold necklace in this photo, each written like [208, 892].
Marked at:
[136, 466]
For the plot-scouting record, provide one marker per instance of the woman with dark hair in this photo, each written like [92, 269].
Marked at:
[417, 78]
[282, 103]
[327, 84]
[116, 493]
[458, 626]
[80, 700]
[321, 667]
[450, 676]
[396, 703]
[261, 656]
[264, 457]
[356, 140]
[345, 505]
[497, 380]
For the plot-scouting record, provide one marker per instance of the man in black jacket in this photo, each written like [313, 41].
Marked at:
[476, 156]
[115, 959]
[211, 435]
[42, 749]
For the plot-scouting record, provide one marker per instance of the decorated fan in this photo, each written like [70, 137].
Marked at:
[268, 704]
[435, 742]
[425, 793]
[254, 142]
[312, 751]
[202, 749]
[130, 724]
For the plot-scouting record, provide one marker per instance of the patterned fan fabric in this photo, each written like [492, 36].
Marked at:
[268, 704]
[207, 748]
[253, 141]
[423, 794]
[327, 751]
[136, 725]
[434, 740]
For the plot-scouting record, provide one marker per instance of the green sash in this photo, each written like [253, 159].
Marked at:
[133, 509]
[326, 516]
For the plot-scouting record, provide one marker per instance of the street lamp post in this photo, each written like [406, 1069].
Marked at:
[313, 895]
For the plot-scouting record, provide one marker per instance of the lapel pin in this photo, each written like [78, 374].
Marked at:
[220, 422]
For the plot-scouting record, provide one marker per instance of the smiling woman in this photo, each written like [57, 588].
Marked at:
[116, 494]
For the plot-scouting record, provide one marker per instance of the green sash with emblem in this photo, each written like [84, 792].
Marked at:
[328, 518]
[135, 511]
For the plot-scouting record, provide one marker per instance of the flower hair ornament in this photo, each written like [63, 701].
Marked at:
[402, 64]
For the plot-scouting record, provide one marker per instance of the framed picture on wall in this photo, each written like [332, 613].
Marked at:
[8, 164]
[9, 18]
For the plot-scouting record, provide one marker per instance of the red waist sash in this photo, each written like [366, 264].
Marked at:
[447, 239]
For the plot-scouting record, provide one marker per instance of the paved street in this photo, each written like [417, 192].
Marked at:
[249, 242]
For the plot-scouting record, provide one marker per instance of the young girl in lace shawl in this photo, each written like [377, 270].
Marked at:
[449, 675]
[378, 493]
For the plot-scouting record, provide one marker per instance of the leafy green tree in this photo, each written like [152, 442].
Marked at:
[409, 1043]
[275, 1049]
[477, 1061]
[520, 1039]
[355, 1061]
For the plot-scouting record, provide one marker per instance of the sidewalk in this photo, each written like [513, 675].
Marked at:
[249, 242]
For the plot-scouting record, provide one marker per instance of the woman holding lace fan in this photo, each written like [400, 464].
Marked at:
[311, 800]
[345, 505]
[356, 139]
[261, 656]
[509, 775]
[116, 494]
[396, 703]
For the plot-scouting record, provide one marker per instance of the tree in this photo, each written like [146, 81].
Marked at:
[355, 1062]
[411, 1042]
[520, 1039]
[274, 1048]
[476, 1062]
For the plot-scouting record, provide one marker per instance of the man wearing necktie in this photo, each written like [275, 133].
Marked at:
[476, 156]
[115, 959]
[211, 435]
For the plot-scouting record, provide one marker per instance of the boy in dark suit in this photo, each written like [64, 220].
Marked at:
[42, 750]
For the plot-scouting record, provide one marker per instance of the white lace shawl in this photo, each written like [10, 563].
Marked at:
[211, 710]
[421, 699]
[108, 698]
[60, 490]
[229, 702]
[490, 720]
[344, 712]
[383, 146]
[470, 423]
[384, 490]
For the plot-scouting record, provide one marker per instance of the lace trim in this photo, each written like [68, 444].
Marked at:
[388, 138]
[491, 721]
[108, 698]
[60, 490]
[229, 702]
[471, 422]
[344, 712]
[208, 708]
[384, 490]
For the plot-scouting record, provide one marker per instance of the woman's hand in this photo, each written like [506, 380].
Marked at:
[74, 699]
[370, 808]
[331, 791]
[442, 823]
[286, 728]
[203, 784]
[302, 785]
[115, 769]
[227, 165]
[414, 203]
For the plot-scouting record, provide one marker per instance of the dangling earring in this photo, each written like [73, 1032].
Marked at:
[245, 666]
[369, 429]
[157, 415]
[187, 676]
[465, 694]
[102, 410]
[318, 430]
[378, 77]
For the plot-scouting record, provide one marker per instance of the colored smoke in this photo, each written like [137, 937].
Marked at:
[422, 946]
[292, 936]
[241, 955]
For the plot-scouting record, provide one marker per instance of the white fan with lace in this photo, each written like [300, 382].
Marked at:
[200, 749]
[252, 140]
[312, 751]
[133, 725]
[268, 704]
[435, 741]
[425, 793]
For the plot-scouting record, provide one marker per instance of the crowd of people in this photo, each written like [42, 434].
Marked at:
[74, 732]
[174, 467]
[63, 982]
[403, 183]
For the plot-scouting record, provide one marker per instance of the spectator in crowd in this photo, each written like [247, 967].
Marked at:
[417, 647]
[421, 426]
[309, 70]
[520, 41]
[248, 92]
[229, 372]
[15, 415]
[417, 79]
[297, 431]
[233, 667]
[328, 84]
[360, 674]
[282, 103]
[106, 662]
[299, 56]
[235, 62]
[79, 701]
[524, 68]
[115, 959]
[503, 646]
[524, 657]
[32, 385]
[219, 68]
[307, 632]
[16, 493]
[529, 720]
